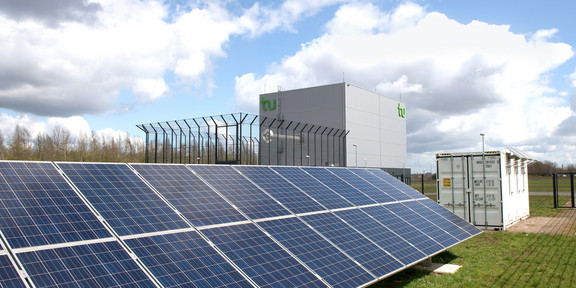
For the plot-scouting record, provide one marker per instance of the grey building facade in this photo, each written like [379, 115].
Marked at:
[374, 125]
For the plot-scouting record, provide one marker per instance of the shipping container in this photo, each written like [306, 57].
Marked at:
[488, 189]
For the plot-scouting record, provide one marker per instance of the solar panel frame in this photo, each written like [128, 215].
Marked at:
[325, 259]
[197, 202]
[409, 233]
[104, 264]
[260, 257]
[240, 191]
[312, 187]
[411, 192]
[383, 236]
[446, 214]
[280, 189]
[340, 186]
[9, 276]
[380, 184]
[185, 259]
[360, 248]
[38, 207]
[427, 227]
[442, 223]
[127, 203]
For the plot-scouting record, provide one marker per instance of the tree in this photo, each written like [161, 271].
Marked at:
[19, 146]
[60, 139]
[2, 149]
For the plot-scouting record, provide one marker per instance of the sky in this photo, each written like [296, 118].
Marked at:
[463, 67]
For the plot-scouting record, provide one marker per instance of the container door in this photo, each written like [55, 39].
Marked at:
[485, 185]
[452, 183]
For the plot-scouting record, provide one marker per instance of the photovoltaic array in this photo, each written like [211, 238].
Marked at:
[170, 225]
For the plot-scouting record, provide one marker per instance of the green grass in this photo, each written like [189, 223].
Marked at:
[502, 259]
[499, 259]
[543, 205]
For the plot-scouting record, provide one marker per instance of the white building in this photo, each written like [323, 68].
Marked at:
[376, 125]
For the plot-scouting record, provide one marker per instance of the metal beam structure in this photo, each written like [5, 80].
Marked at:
[237, 139]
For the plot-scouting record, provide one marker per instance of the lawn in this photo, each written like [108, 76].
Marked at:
[502, 259]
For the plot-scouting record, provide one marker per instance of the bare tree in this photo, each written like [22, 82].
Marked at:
[2, 149]
[19, 145]
[60, 139]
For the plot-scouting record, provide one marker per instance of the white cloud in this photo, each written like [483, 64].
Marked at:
[458, 79]
[75, 125]
[53, 63]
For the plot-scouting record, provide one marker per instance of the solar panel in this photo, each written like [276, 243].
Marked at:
[360, 248]
[339, 186]
[192, 197]
[123, 199]
[422, 224]
[185, 260]
[247, 197]
[437, 220]
[411, 192]
[324, 258]
[407, 231]
[313, 188]
[386, 189]
[94, 265]
[38, 207]
[262, 259]
[280, 189]
[213, 225]
[453, 218]
[384, 237]
[9, 277]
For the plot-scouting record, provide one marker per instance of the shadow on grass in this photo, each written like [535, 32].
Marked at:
[406, 276]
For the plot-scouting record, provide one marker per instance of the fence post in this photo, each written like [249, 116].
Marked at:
[572, 189]
[422, 183]
[555, 189]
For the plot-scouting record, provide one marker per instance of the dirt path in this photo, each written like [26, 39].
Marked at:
[564, 223]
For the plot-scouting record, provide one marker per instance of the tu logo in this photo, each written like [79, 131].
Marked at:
[266, 104]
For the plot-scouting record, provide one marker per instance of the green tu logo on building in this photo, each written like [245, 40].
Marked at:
[401, 111]
[266, 104]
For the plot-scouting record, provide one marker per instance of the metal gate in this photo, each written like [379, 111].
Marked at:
[556, 191]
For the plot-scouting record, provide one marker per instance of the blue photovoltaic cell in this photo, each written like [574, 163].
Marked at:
[38, 207]
[422, 224]
[264, 261]
[94, 265]
[313, 187]
[280, 189]
[387, 189]
[382, 236]
[339, 186]
[185, 260]
[192, 197]
[411, 192]
[403, 228]
[354, 244]
[322, 257]
[366, 188]
[243, 194]
[450, 228]
[123, 199]
[473, 230]
[9, 277]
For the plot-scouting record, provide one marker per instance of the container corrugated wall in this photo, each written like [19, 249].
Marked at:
[489, 190]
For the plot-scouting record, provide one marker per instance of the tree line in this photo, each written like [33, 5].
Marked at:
[547, 168]
[59, 145]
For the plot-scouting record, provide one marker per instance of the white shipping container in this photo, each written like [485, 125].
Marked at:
[489, 190]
